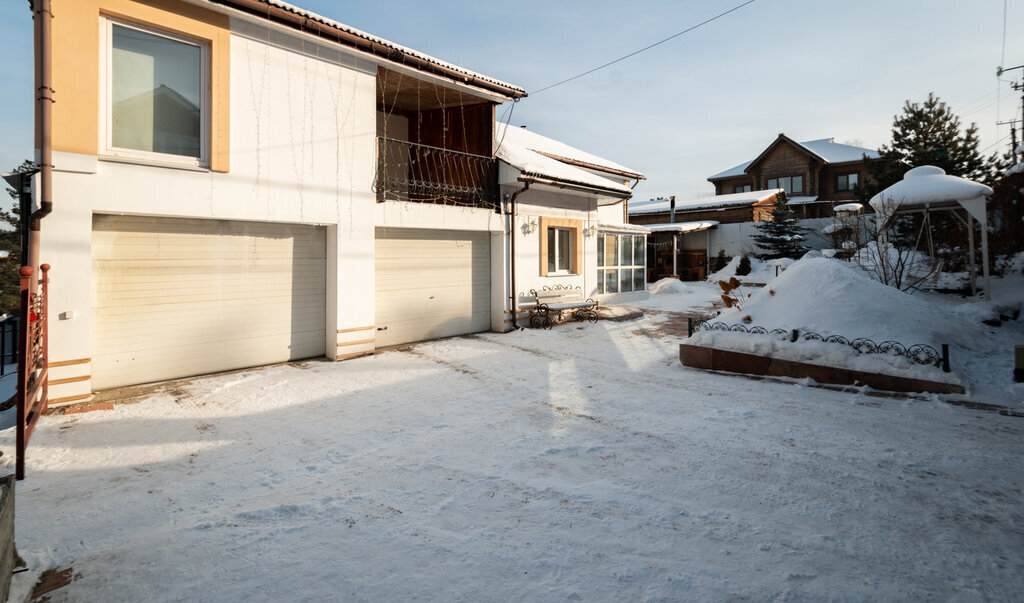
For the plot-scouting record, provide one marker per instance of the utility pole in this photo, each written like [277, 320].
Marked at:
[1013, 138]
[1019, 87]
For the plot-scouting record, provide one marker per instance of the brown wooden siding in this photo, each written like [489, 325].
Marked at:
[785, 160]
[731, 215]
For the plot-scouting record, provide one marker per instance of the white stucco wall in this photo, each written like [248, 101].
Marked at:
[303, 122]
[737, 239]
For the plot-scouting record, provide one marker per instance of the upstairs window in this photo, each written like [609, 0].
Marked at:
[157, 104]
[790, 184]
[741, 188]
[846, 182]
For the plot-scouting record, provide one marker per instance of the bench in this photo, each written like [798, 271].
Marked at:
[554, 302]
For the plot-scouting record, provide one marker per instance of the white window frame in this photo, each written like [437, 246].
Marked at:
[107, 149]
[615, 265]
[553, 251]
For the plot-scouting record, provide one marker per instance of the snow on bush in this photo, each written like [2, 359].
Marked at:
[668, 285]
[761, 271]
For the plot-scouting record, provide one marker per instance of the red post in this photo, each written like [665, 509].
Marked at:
[25, 362]
[44, 327]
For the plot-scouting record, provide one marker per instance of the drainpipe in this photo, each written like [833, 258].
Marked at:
[43, 20]
[513, 297]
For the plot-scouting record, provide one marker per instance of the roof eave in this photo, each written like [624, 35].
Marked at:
[579, 186]
[378, 48]
[592, 166]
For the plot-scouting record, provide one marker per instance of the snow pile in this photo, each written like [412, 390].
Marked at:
[830, 297]
[761, 271]
[668, 285]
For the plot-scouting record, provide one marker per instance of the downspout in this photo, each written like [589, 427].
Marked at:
[513, 297]
[44, 125]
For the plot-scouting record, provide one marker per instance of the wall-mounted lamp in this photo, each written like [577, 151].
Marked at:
[591, 231]
[530, 227]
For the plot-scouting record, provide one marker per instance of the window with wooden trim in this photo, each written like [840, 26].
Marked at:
[621, 263]
[741, 188]
[790, 184]
[157, 101]
[847, 182]
[561, 246]
[559, 251]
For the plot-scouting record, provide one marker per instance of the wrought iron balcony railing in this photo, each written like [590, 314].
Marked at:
[416, 172]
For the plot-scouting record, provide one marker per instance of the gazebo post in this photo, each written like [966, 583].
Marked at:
[984, 260]
[970, 251]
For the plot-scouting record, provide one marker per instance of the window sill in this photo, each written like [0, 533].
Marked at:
[175, 165]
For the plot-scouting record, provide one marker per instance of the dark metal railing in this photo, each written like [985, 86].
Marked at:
[918, 353]
[417, 172]
[8, 343]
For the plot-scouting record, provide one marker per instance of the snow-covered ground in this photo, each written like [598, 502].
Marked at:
[578, 463]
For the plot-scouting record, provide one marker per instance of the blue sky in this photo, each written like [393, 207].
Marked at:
[689, 108]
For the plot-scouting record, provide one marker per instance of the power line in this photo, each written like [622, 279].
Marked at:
[623, 58]
[994, 143]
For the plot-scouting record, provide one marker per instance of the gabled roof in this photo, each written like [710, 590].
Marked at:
[310, 22]
[539, 156]
[656, 206]
[825, 150]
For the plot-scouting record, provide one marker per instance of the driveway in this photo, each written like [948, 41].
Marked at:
[578, 463]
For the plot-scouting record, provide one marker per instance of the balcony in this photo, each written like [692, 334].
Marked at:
[416, 172]
[434, 143]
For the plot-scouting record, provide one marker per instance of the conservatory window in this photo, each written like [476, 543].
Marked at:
[621, 263]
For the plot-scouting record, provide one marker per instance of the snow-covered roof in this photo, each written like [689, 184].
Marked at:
[848, 207]
[801, 200]
[834, 152]
[560, 151]
[533, 155]
[928, 185]
[654, 206]
[683, 227]
[622, 227]
[465, 76]
[825, 148]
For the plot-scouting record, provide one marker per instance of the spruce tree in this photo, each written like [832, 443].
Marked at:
[10, 241]
[928, 133]
[782, 236]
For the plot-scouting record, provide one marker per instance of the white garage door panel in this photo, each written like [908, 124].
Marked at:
[175, 297]
[431, 284]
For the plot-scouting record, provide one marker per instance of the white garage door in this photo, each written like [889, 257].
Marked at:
[431, 284]
[175, 297]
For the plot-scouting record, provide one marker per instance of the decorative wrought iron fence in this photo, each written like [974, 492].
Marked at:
[918, 353]
[8, 343]
[416, 172]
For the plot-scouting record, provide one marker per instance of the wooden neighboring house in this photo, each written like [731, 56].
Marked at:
[816, 175]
